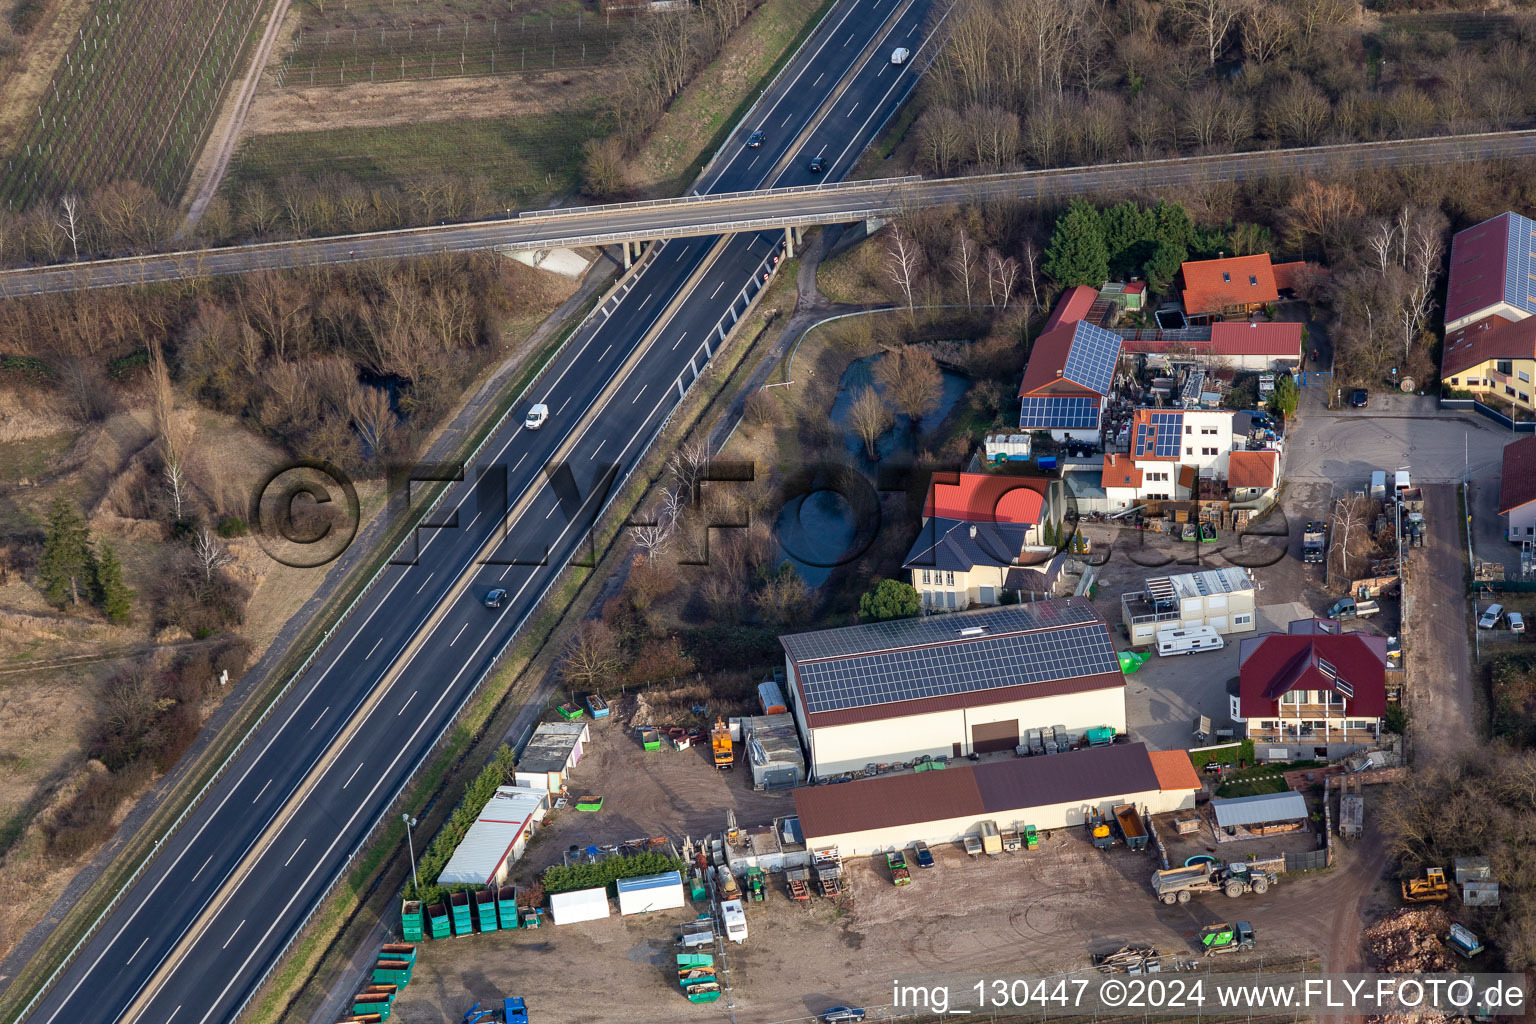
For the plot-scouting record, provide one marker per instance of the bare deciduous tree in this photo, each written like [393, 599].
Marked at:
[962, 262]
[904, 264]
[591, 656]
[912, 379]
[70, 205]
[1211, 21]
[870, 418]
[175, 432]
[211, 554]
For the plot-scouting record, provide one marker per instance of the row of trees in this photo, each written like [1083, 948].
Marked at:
[74, 571]
[1055, 82]
[1090, 246]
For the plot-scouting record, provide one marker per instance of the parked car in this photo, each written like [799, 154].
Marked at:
[537, 417]
[817, 165]
[495, 598]
[1516, 622]
[755, 139]
[1359, 398]
[900, 55]
[1491, 616]
[842, 1015]
[922, 855]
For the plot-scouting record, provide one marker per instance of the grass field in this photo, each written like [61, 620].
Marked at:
[134, 98]
[524, 159]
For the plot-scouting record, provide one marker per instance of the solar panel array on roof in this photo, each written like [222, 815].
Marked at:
[1159, 437]
[897, 634]
[984, 663]
[1091, 359]
[1046, 413]
[1520, 264]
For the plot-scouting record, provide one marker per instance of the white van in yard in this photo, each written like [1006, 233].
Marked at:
[1189, 641]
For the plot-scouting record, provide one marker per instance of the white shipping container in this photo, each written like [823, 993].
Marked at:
[647, 893]
[581, 905]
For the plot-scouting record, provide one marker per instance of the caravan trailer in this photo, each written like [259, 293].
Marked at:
[1189, 641]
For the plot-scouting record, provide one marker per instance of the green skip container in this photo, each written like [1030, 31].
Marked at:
[411, 921]
[485, 910]
[437, 921]
[506, 905]
[458, 905]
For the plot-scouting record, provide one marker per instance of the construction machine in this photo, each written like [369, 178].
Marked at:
[720, 739]
[1432, 888]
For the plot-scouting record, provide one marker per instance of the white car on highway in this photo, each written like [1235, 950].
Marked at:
[536, 418]
[900, 55]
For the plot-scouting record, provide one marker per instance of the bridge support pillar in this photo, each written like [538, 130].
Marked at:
[628, 259]
[789, 242]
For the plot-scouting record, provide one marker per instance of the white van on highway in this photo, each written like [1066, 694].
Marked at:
[1189, 641]
[900, 55]
[536, 418]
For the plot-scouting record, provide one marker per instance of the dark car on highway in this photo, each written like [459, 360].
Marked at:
[495, 598]
[817, 165]
[754, 140]
[1359, 398]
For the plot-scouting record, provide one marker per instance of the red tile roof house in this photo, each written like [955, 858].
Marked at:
[1490, 334]
[1517, 490]
[984, 534]
[1253, 476]
[1233, 286]
[1070, 372]
[1312, 691]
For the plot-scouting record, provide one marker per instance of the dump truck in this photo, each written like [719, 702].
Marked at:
[1131, 829]
[898, 866]
[1178, 885]
[1312, 541]
[1432, 888]
[720, 740]
[1227, 938]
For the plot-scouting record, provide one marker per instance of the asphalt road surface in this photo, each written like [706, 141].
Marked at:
[805, 199]
[191, 942]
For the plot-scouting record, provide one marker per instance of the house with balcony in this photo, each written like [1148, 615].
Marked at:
[1170, 451]
[1220, 598]
[984, 535]
[1313, 691]
[1490, 334]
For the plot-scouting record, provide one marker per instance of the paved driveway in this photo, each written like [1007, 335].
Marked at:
[1343, 446]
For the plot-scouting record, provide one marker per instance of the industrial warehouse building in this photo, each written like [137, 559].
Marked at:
[1220, 598]
[888, 812]
[497, 838]
[952, 685]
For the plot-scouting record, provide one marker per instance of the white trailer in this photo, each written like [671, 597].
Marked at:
[1189, 641]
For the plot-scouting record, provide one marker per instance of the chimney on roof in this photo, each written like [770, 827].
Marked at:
[1058, 373]
[1220, 255]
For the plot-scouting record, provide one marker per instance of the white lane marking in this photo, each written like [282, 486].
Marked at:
[504, 573]
[173, 1014]
[822, 150]
[597, 449]
[458, 634]
[373, 648]
[233, 934]
[295, 852]
[914, 30]
[200, 870]
[359, 768]
[632, 401]
[851, 110]
[257, 796]
[426, 581]
[409, 699]
[850, 39]
[882, 70]
[564, 404]
[818, 79]
[754, 161]
[519, 461]
[717, 289]
[136, 951]
[681, 252]
[679, 340]
[475, 520]
[605, 352]
[322, 714]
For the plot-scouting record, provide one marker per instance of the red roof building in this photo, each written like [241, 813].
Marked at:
[1312, 686]
[1517, 490]
[1074, 304]
[1253, 470]
[987, 498]
[1490, 271]
[1120, 471]
[1233, 284]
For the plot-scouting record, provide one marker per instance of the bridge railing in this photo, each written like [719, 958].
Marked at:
[720, 197]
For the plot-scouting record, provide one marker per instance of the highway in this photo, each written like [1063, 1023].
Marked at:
[798, 200]
[194, 937]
